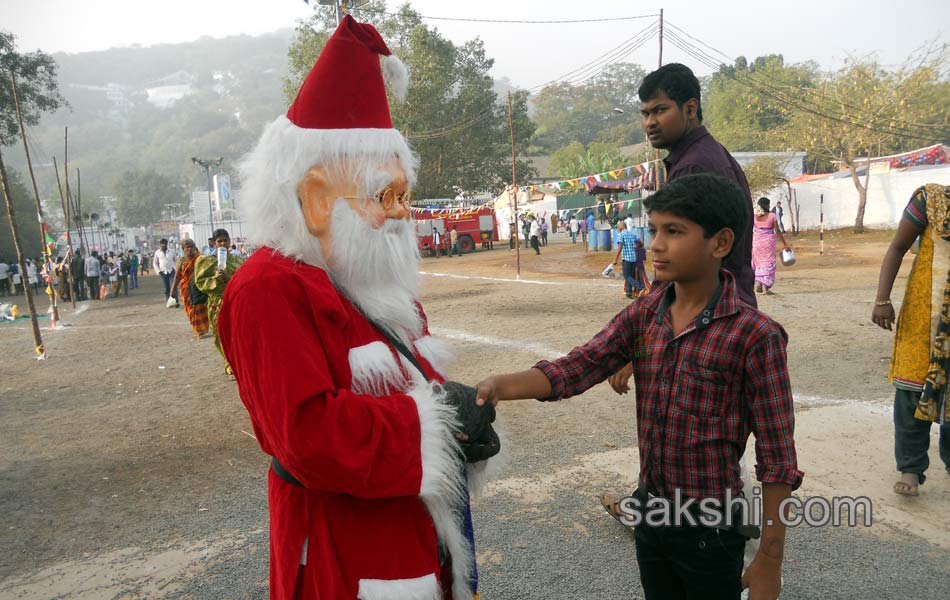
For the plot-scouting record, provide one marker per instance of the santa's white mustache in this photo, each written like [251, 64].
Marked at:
[378, 269]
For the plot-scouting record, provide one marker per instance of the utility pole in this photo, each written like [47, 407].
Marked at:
[661, 38]
[207, 163]
[24, 276]
[657, 162]
[514, 189]
[36, 198]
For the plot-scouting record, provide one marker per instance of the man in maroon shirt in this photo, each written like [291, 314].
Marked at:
[710, 371]
[673, 120]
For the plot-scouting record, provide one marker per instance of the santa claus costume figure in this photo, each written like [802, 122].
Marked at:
[322, 326]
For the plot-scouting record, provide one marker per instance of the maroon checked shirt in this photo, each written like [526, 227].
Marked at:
[699, 394]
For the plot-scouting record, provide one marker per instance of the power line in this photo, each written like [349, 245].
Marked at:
[575, 77]
[929, 128]
[512, 21]
[780, 96]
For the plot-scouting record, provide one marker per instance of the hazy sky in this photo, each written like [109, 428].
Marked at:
[824, 31]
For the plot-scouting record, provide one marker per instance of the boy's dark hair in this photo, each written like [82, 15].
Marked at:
[220, 233]
[712, 202]
[677, 81]
[163, 241]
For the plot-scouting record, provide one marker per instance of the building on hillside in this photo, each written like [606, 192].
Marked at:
[164, 92]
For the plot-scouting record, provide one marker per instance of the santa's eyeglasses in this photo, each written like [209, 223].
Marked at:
[388, 198]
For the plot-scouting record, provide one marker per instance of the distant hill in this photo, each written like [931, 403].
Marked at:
[155, 107]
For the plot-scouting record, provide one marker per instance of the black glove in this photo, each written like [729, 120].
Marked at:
[473, 420]
[484, 448]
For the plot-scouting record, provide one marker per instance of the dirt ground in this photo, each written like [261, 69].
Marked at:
[127, 469]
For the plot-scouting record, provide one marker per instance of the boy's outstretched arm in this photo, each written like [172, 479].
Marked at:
[513, 386]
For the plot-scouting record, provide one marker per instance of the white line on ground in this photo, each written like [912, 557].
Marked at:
[531, 281]
[521, 345]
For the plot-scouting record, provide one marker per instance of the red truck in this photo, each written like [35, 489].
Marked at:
[475, 226]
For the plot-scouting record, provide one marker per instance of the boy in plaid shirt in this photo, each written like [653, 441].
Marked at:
[709, 370]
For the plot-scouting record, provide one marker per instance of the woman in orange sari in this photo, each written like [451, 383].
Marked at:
[184, 274]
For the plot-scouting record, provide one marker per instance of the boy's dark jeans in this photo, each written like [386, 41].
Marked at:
[689, 562]
[912, 436]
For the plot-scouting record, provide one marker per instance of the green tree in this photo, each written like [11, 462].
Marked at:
[575, 161]
[452, 117]
[741, 108]
[37, 88]
[604, 108]
[764, 173]
[865, 110]
[143, 196]
[27, 226]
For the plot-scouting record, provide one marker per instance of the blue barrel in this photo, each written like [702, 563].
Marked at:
[593, 240]
[605, 239]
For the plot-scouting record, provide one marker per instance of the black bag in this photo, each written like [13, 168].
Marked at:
[195, 296]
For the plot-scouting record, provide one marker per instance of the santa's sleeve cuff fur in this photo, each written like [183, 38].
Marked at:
[441, 457]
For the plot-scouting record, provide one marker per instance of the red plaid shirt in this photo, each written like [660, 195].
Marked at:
[699, 394]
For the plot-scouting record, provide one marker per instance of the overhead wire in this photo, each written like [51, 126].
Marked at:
[781, 97]
[513, 21]
[575, 77]
[782, 89]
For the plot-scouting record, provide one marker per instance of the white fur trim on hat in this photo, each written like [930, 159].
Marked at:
[396, 76]
[271, 172]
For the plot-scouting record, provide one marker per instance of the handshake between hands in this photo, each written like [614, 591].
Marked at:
[476, 436]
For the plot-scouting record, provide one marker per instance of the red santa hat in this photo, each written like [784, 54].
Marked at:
[341, 113]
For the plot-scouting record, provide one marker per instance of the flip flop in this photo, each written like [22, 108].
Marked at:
[611, 503]
[906, 489]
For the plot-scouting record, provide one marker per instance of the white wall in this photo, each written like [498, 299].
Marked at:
[888, 194]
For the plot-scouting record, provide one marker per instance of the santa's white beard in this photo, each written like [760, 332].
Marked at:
[377, 269]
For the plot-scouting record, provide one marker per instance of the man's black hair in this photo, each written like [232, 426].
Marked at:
[712, 202]
[163, 241]
[220, 233]
[676, 81]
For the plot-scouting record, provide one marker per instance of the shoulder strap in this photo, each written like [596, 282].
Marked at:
[399, 346]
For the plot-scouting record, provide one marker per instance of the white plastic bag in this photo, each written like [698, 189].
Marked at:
[171, 302]
[608, 270]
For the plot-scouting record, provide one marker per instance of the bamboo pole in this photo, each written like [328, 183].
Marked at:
[514, 189]
[39, 348]
[48, 259]
[69, 251]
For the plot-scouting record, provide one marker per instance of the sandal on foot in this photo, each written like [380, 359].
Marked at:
[906, 489]
[611, 503]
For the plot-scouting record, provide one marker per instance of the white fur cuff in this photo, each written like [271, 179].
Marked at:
[441, 456]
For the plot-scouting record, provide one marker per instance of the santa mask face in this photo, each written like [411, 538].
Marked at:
[322, 187]
[367, 240]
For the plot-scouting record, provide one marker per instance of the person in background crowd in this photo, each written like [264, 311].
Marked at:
[920, 361]
[133, 269]
[436, 241]
[454, 242]
[574, 227]
[591, 221]
[16, 282]
[628, 222]
[164, 263]
[534, 230]
[92, 268]
[626, 241]
[195, 301]
[32, 277]
[77, 267]
[123, 270]
[777, 209]
[209, 249]
[764, 232]
[145, 261]
[583, 228]
[554, 223]
[544, 232]
[4, 277]
[211, 279]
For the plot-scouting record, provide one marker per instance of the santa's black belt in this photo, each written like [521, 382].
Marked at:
[283, 473]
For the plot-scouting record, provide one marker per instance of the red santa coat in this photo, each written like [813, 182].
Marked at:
[353, 421]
